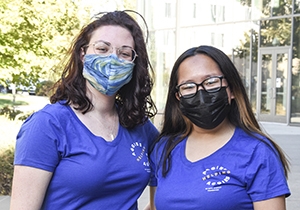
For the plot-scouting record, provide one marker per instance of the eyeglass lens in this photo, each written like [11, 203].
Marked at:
[124, 52]
[212, 84]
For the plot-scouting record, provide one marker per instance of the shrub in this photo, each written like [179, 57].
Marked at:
[6, 170]
[44, 88]
[14, 114]
[10, 112]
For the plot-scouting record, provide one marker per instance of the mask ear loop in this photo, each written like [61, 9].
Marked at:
[145, 23]
[96, 16]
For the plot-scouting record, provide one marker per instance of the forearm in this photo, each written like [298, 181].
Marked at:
[29, 188]
[277, 203]
[152, 194]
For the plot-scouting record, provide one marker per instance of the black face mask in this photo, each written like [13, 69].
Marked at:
[206, 110]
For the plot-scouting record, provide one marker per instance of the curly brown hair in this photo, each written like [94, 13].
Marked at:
[133, 100]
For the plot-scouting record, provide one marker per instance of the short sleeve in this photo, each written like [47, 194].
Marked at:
[155, 161]
[36, 144]
[153, 180]
[265, 176]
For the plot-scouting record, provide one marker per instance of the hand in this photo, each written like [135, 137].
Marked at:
[147, 207]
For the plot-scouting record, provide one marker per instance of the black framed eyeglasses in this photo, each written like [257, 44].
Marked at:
[105, 49]
[210, 85]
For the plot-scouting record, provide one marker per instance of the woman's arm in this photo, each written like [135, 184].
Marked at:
[152, 193]
[277, 203]
[29, 187]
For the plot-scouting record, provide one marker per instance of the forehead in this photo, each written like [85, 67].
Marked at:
[116, 35]
[197, 68]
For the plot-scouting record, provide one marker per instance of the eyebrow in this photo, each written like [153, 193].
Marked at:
[205, 77]
[109, 44]
[105, 42]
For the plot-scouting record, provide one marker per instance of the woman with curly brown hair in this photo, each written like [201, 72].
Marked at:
[88, 149]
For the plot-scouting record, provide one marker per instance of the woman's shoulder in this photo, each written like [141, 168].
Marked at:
[251, 140]
[56, 107]
[57, 111]
[164, 141]
[248, 136]
[148, 127]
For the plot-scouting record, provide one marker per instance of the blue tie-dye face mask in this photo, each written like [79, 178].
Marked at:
[107, 73]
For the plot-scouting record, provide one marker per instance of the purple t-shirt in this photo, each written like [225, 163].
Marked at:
[88, 172]
[243, 171]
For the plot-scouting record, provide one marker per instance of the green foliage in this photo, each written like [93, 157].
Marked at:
[8, 102]
[245, 2]
[129, 4]
[243, 50]
[6, 170]
[10, 112]
[14, 114]
[44, 88]
[34, 34]
[27, 79]
[8, 109]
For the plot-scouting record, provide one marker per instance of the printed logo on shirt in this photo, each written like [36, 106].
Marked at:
[215, 177]
[140, 153]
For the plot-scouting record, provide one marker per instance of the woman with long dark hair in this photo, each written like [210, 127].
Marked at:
[211, 153]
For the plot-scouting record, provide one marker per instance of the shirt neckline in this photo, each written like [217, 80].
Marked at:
[111, 143]
[192, 164]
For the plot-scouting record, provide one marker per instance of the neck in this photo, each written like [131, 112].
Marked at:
[103, 119]
[224, 129]
[103, 104]
[201, 143]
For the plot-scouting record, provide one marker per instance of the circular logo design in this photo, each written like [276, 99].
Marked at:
[216, 175]
[140, 153]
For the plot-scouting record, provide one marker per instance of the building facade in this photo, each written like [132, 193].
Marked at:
[262, 37]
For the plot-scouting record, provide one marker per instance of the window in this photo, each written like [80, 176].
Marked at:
[212, 41]
[217, 13]
[194, 10]
[167, 10]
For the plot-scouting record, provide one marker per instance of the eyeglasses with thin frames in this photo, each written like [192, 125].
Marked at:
[105, 49]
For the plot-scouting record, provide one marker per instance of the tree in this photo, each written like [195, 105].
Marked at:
[269, 28]
[243, 50]
[34, 34]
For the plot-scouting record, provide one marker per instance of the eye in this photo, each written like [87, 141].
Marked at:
[125, 53]
[211, 81]
[101, 48]
[187, 86]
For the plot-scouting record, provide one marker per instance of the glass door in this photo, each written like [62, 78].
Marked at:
[272, 92]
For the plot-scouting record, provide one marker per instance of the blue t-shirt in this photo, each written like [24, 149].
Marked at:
[243, 171]
[88, 172]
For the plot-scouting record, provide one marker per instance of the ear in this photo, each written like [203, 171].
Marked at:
[82, 54]
[230, 93]
[177, 96]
